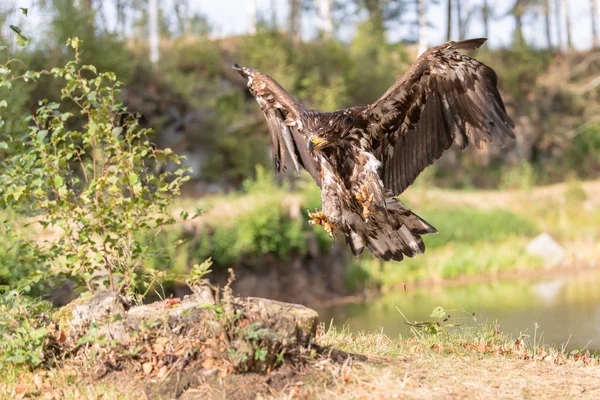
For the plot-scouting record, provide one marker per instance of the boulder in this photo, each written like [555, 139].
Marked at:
[545, 247]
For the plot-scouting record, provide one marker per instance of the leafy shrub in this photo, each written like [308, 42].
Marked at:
[23, 331]
[521, 176]
[95, 180]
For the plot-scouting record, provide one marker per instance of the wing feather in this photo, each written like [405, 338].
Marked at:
[445, 97]
[285, 119]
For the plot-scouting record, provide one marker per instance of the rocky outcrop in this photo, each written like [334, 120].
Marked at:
[242, 334]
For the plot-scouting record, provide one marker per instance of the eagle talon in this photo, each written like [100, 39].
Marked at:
[366, 200]
[319, 218]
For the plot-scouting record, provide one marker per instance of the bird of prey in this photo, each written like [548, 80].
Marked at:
[363, 157]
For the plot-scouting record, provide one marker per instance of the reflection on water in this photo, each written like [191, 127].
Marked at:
[563, 307]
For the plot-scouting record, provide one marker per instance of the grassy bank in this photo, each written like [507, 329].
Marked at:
[480, 232]
[475, 363]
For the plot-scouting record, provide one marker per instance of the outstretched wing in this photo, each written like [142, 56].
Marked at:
[445, 97]
[284, 115]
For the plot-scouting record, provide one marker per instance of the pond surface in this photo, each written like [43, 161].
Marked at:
[566, 309]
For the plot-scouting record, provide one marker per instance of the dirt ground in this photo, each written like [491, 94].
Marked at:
[411, 377]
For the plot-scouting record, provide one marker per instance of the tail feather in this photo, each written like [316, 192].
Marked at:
[389, 236]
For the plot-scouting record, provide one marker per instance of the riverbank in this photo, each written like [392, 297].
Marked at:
[478, 363]
[263, 234]
[483, 236]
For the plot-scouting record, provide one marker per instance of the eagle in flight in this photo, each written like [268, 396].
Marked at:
[363, 157]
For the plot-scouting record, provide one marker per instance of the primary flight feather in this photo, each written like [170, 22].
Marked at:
[362, 157]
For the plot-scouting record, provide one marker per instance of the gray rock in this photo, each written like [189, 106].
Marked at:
[277, 324]
[547, 248]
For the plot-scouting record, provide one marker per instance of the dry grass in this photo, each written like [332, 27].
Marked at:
[473, 363]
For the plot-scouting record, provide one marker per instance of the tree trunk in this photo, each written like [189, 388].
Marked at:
[460, 20]
[559, 35]
[86, 5]
[422, 17]
[273, 14]
[325, 21]
[252, 16]
[181, 8]
[594, 15]
[295, 19]
[518, 9]
[121, 17]
[374, 8]
[547, 23]
[485, 14]
[463, 16]
[448, 20]
[568, 24]
[153, 33]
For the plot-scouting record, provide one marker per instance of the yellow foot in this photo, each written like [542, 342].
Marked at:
[366, 200]
[319, 218]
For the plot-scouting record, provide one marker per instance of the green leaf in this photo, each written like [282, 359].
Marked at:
[41, 135]
[133, 178]
[74, 43]
[438, 312]
[58, 181]
[24, 10]
[16, 29]
[3, 103]
[22, 40]
[2, 48]
[116, 131]
[3, 146]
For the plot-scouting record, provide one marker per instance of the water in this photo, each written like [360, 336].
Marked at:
[566, 309]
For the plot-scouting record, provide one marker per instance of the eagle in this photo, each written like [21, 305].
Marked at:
[363, 157]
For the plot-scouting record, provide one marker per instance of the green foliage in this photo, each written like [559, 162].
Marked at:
[199, 271]
[467, 225]
[583, 156]
[574, 193]
[96, 182]
[521, 176]
[375, 64]
[518, 68]
[469, 242]
[23, 331]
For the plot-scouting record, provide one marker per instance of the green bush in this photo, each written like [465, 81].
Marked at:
[23, 329]
[96, 182]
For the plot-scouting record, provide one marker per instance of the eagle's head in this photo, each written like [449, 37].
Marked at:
[330, 129]
[321, 138]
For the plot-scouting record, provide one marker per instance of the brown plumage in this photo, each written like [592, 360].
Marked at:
[362, 157]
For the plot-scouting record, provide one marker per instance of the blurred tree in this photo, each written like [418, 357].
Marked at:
[568, 24]
[559, 35]
[381, 11]
[448, 20]
[325, 19]
[546, 10]
[461, 20]
[273, 6]
[518, 10]
[181, 9]
[593, 16]
[486, 13]
[295, 19]
[121, 22]
[464, 12]
[422, 23]
[153, 33]
[251, 4]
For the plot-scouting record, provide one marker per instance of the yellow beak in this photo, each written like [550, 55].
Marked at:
[316, 143]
